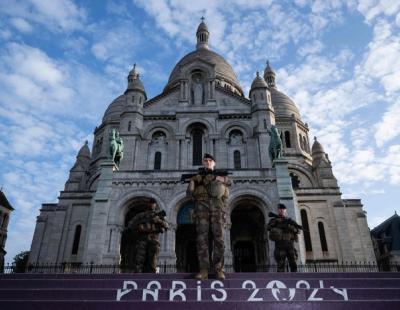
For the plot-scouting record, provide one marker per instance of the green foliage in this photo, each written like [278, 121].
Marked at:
[21, 262]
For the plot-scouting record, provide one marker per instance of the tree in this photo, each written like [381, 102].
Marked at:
[20, 262]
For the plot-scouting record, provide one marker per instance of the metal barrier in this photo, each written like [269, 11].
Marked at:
[163, 268]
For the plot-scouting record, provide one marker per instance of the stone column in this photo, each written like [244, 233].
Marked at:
[288, 198]
[167, 253]
[228, 250]
[97, 222]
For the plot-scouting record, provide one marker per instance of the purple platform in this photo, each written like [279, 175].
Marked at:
[177, 291]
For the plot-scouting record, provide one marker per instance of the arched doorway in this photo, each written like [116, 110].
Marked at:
[248, 238]
[185, 243]
[128, 240]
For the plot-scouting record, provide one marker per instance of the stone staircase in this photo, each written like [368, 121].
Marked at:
[178, 291]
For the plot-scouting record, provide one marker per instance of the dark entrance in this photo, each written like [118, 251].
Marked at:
[128, 241]
[248, 239]
[244, 256]
[185, 243]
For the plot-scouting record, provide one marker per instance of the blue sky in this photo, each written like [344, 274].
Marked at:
[63, 61]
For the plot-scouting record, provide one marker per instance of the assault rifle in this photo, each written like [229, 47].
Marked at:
[291, 222]
[148, 217]
[205, 171]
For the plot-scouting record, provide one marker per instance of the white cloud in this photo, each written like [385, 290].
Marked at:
[373, 8]
[116, 44]
[388, 128]
[314, 47]
[382, 61]
[21, 24]
[359, 137]
[392, 164]
[56, 15]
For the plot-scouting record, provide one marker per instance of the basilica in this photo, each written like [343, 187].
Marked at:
[202, 109]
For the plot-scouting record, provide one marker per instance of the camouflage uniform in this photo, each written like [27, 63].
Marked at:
[209, 212]
[284, 233]
[147, 225]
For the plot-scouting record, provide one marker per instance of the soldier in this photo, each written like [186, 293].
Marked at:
[147, 225]
[210, 192]
[284, 231]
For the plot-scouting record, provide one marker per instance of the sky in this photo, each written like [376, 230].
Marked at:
[62, 62]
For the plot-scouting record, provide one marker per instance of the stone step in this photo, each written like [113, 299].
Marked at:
[318, 294]
[129, 305]
[191, 283]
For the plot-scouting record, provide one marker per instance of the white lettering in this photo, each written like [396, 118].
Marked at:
[302, 282]
[198, 290]
[179, 286]
[220, 290]
[125, 290]
[276, 286]
[252, 286]
[341, 292]
[312, 296]
[151, 291]
[321, 283]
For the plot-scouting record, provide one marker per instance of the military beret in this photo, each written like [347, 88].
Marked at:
[281, 206]
[206, 155]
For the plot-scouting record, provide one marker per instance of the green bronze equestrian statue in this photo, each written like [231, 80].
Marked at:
[116, 147]
[275, 144]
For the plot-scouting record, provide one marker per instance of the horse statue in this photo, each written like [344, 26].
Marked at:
[116, 147]
[275, 144]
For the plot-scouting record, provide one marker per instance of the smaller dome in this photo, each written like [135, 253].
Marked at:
[258, 82]
[202, 27]
[268, 69]
[283, 105]
[134, 73]
[114, 109]
[134, 82]
[202, 35]
[135, 85]
[317, 147]
[269, 75]
[84, 151]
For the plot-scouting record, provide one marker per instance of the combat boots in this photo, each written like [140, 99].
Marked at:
[202, 275]
[220, 275]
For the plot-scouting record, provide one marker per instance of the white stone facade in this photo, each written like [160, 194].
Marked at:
[201, 110]
[5, 212]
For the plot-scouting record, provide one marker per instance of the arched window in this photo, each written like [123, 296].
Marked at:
[321, 230]
[235, 137]
[295, 181]
[262, 96]
[129, 125]
[157, 161]
[197, 147]
[306, 231]
[305, 144]
[287, 138]
[77, 238]
[236, 160]
[301, 142]
[159, 138]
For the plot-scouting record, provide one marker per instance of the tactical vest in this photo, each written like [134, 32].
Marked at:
[206, 186]
[281, 230]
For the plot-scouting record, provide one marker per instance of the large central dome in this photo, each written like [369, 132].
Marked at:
[223, 69]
